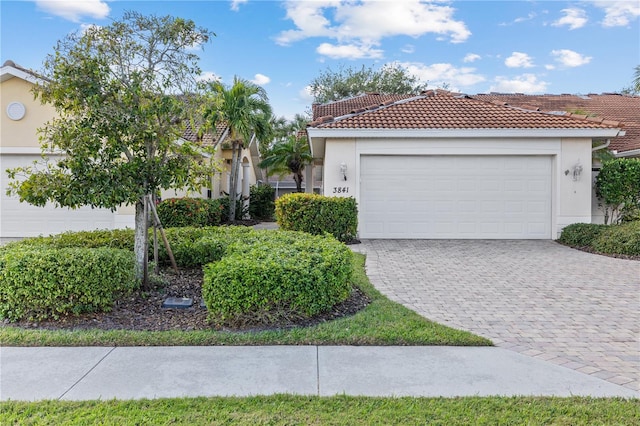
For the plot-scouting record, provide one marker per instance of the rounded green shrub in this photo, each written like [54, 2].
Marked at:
[286, 274]
[215, 211]
[39, 283]
[317, 214]
[178, 212]
[261, 202]
[619, 239]
[580, 234]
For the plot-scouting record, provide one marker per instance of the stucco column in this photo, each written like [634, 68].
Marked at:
[215, 185]
[308, 177]
[245, 187]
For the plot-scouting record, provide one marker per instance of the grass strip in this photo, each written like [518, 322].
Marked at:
[338, 410]
[383, 322]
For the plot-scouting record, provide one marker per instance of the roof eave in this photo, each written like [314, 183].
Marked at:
[7, 72]
[315, 132]
[630, 153]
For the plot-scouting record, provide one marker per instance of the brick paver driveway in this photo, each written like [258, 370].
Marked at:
[538, 298]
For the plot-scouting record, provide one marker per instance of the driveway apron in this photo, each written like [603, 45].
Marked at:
[538, 298]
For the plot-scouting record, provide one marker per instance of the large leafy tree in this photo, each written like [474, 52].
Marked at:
[289, 155]
[115, 90]
[345, 82]
[244, 108]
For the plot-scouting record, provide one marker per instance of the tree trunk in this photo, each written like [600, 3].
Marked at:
[140, 239]
[297, 177]
[233, 184]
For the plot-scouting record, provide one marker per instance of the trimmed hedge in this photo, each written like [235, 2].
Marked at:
[40, 283]
[261, 202]
[619, 239]
[288, 274]
[252, 276]
[179, 212]
[317, 214]
[580, 234]
[194, 247]
[112, 238]
[191, 246]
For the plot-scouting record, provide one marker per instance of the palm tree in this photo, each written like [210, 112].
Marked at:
[289, 155]
[243, 108]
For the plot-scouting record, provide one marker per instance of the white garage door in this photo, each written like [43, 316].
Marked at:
[18, 220]
[466, 197]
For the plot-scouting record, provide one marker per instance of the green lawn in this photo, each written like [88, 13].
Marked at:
[339, 410]
[383, 322]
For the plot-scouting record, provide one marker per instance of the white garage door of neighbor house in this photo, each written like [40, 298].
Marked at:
[19, 220]
[463, 197]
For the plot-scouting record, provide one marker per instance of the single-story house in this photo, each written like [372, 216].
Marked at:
[20, 146]
[444, 165]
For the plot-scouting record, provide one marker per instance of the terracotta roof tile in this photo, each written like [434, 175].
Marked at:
[444, 110]
[607, 107]
[208, 139]
[345, 106]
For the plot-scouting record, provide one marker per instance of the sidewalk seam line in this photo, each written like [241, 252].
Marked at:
[318, 369]
[87, 373]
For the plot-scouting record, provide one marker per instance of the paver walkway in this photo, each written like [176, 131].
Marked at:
[538, 298]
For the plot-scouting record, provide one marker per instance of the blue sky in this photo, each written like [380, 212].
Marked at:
[473, 46]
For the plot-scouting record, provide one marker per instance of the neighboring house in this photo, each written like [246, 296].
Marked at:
[286, 185]
[250, 173]
[20, 146]
[441, 165]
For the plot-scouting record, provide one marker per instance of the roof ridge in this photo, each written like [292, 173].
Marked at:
[364, 110]
[350, 98]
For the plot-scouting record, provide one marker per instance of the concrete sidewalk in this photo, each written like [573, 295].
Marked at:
[88, 373]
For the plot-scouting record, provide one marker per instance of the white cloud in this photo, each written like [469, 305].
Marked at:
[409, 48]
[574, 18]
[569, 58]
[471, 57]
[209, 76]
[618, 13]
[529, 17]
[366, 23]
[235, 4]
[261, 79]
[438, 75]
[519, 60]
[74, 10]
[305, 95]
[348, 51]
[525, 83]
[550, 67]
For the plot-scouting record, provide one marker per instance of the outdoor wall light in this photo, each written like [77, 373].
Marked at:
[576, 171]
[343, 170]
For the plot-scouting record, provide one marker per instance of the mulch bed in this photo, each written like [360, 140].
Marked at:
[143, 311]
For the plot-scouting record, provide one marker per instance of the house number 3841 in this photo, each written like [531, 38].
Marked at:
[340, 189]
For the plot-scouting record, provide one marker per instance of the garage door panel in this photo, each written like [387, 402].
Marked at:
[455, 197]
[18, 220]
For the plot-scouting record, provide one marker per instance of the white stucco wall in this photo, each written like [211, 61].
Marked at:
[337, 152]
[571, 200]
[574, 196]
